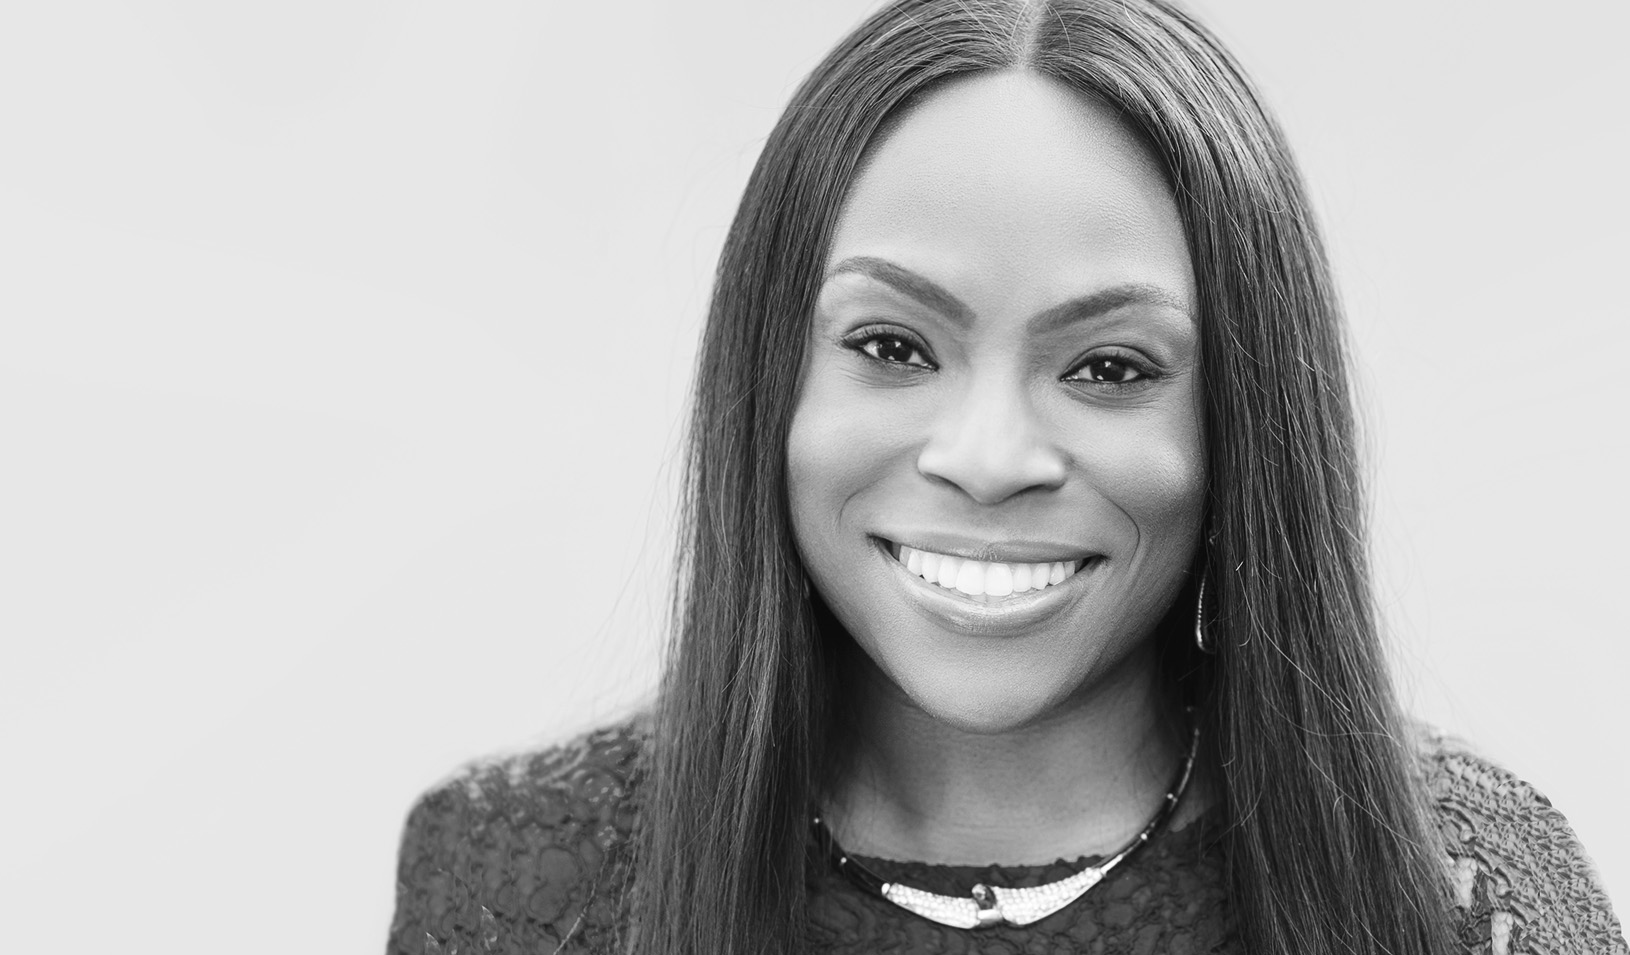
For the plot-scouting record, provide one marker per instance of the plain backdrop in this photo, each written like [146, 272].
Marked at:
[344, 345]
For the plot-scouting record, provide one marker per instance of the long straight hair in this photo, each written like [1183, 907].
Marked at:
[1327, 845]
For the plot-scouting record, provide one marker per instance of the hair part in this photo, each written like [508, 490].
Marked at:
[1302, 732]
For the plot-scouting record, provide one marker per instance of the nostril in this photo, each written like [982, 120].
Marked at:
[992, 475]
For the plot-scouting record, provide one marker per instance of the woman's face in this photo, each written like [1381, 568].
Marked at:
[996, 458]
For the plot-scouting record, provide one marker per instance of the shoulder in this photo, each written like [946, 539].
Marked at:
[528, 850]
[1521, 880]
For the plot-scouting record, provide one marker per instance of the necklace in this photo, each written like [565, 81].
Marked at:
[986, 905]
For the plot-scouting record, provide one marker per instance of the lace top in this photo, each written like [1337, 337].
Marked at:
[530, 853]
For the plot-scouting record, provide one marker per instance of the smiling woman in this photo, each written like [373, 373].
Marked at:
[1025, 604]
[1002, 374]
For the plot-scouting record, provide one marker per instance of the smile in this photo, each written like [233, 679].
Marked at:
[972, 601]
[978, 578]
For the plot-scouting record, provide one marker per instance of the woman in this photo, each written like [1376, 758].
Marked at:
[1024, 603]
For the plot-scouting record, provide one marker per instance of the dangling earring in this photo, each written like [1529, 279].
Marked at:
[1205, 646]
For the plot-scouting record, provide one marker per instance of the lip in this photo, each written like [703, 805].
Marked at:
[1008, 550]
[1005, 616]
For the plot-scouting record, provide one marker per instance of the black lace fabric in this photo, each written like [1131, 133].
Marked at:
[524, 854]
[1522, 881]
[530, 853]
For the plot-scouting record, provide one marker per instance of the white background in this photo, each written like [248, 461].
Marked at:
[343, 346]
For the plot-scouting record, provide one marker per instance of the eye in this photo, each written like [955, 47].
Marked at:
[1109, 370]
[890, 348]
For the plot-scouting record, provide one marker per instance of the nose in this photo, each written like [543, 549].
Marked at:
[992, 445]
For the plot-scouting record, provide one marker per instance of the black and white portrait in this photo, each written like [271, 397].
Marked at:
[814, 477]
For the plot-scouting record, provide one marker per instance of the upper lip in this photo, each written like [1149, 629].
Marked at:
[1004, 550]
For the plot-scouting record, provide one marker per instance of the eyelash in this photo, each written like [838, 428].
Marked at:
[1146, 374]
[858, 340]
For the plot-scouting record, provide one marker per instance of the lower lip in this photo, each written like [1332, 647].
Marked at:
[1005, 616]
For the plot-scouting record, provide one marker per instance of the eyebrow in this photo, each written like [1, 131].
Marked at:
[934, 296]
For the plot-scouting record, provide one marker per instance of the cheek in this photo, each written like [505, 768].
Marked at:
[1155, 474]
[1170, 483]
[817, 467]
[817, 472]
[837, 447]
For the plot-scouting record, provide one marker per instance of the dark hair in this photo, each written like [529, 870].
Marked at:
[1327, 845]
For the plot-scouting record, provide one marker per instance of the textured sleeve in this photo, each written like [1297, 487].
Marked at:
[1522, 882]
[524, 854]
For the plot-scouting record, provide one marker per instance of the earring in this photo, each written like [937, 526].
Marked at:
[1205, 646]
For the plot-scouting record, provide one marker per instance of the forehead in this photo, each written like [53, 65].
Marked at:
[1012, 183]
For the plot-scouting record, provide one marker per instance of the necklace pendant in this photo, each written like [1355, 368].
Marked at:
[987, 908]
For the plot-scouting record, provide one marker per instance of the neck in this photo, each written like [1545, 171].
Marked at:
[1080, 780]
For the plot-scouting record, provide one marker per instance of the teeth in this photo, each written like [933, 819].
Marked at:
[998, 580]
[981, 578]
[970, 578]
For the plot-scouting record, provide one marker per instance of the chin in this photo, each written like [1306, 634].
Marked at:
[994, 722]
[988, 706]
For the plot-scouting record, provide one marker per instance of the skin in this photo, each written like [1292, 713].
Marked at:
[1002, 362]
